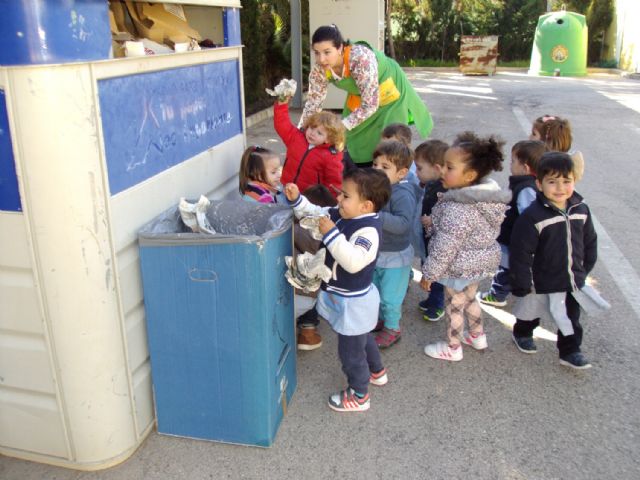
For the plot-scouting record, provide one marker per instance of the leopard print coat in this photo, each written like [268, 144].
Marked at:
[466, 223]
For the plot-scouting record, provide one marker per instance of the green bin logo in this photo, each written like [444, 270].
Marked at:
[559, 54]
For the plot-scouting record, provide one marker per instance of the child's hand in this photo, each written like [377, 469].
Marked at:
[425, 284]
[282, 100]
[426, 221]
[325, 224]
[291, 191]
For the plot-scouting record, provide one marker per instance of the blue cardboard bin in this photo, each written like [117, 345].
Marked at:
[220, 323]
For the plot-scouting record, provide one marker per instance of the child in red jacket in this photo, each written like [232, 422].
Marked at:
[314, 154]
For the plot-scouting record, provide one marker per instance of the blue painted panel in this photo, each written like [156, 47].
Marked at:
[54, 31]
[231, 24]
[9, 193]
[154, 121]
[221, 337]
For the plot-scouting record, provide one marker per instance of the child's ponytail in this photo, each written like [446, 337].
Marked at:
[252, 166]
[484, 154]
[558, 135]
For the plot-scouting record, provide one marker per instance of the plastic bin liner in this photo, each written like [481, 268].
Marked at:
[231, 219]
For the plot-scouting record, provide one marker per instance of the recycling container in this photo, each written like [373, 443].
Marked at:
[92, 148]
[220, 322]
[560, 45]
[478, 54]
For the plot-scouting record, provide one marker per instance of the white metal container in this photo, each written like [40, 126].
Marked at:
[75, 383]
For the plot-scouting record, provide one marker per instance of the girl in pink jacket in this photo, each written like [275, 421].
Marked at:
[463, 248]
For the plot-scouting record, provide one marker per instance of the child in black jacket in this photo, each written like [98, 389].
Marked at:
[525, 156]
[553, 248]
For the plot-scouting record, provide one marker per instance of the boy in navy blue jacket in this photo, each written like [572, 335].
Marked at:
[553, 248]
[349, 301]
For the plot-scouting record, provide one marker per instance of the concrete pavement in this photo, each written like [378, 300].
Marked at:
[498, 414]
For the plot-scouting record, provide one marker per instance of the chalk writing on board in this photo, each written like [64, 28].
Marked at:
[156, 120]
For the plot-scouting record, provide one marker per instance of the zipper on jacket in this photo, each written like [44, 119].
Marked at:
[295, 179]
[567, 217]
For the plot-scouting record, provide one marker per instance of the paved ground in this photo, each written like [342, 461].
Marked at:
[498, 414]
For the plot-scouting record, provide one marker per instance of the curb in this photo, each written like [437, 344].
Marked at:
[267, 113]
[258, 117]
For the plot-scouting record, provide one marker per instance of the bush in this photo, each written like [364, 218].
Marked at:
[266, 57]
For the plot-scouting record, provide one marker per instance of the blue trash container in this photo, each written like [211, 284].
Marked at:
[220, 322]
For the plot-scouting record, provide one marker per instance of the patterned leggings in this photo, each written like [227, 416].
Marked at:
[457, 305]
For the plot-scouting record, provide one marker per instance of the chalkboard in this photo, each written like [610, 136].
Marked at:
[9, 193]
[154, 121]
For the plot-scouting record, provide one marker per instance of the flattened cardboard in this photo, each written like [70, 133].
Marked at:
[154, 22]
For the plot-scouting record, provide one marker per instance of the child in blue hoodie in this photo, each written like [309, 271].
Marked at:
[396, 251]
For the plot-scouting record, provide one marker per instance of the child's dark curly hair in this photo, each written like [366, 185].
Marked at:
[484, 155]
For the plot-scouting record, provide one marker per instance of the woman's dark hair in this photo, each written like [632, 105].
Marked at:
[372, 185]
[556, 164]
[328, 33]
[484, 155]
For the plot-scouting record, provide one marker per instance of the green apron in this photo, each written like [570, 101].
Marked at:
[408, 108]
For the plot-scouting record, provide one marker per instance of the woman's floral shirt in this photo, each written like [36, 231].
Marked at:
[364, 71]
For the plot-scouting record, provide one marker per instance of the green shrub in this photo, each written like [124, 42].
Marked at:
[266, 57]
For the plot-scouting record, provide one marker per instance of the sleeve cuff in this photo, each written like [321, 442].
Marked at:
[330, 236]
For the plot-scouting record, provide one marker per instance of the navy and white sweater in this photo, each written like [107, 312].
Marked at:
[352, 248]
[552, 249]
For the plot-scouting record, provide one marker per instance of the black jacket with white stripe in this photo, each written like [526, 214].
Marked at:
[553, 248]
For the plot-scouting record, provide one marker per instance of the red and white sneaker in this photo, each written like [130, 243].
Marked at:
[379, 378]
[479, 342]
[442, 351]
[348, 401]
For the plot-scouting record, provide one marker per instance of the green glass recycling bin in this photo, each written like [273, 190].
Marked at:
[560, 45]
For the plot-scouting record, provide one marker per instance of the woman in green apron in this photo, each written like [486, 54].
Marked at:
[378, 91]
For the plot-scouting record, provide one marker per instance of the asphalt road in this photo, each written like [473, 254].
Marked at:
[498, 414]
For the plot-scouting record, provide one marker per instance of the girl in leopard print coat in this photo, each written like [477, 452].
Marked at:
[463, 249]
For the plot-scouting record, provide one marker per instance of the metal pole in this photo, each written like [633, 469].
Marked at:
[296, 51]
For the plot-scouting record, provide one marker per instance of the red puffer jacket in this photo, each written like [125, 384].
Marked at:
[303, 166]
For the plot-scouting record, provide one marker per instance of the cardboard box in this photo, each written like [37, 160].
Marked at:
[119, 33]
[161, 24]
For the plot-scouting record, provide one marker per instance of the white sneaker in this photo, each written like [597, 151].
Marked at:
[442, 351]
[479, 342]
[379, 378]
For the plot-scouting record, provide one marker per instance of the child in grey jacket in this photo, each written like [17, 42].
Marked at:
[463, 248]
[393, 266]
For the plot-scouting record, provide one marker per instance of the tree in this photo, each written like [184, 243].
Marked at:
[431, 29]
[599, 15]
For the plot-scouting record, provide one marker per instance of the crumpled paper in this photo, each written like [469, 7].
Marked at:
[312, 223]
[194, 215]
[307, 271]
[285, 89]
